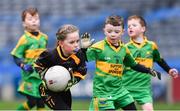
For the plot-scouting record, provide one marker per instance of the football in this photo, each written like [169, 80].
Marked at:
[56, 78]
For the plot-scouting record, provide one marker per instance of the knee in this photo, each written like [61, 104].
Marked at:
[147, 107]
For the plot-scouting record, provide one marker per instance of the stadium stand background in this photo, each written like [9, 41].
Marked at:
[163, 17]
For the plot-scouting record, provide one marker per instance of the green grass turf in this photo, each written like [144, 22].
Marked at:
[12, 105]
[84, 104]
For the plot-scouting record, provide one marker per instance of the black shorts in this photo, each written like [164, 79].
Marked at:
[56, 101]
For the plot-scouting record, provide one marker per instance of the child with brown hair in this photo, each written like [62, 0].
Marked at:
[28, 48]
[145, 52]
[111, 56]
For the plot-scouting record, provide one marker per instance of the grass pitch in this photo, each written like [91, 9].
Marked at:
[84, 105]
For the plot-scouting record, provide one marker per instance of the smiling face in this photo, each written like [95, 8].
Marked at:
[113, 33]
[31, 22]
[70, 44]
[135, 28]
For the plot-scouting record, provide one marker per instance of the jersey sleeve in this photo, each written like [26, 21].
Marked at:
[43, 62]
[46, 39]
[156, 54]
[129, 60]
[91, 54]
[157, 58]
[20, 48]
[81, 70]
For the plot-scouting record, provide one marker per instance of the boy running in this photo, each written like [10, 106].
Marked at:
[145, 52]
[28, 48]
[111, 56]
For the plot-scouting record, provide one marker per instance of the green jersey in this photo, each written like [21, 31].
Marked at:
[145, 54]
[110, 63]
[28, 49]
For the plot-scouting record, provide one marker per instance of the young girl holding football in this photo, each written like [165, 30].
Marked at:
[68, 55]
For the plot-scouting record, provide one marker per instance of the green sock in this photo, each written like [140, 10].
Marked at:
[23, 106]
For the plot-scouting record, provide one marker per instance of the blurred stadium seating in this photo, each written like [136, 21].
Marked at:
[163, 17]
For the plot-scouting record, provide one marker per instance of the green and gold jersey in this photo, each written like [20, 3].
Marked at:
[110, 63]
[145, 54]
[29, 48]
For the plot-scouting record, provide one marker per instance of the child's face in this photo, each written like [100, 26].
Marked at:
[135, 29]
[113, 33]
[31, 23]
[70, 44]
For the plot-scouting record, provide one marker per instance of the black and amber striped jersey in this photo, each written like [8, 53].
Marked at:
[75, 62]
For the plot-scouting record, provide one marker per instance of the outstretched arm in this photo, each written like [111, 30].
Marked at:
[42, 63]
[86, 40]
[85, 43]
[19, 62]
[171, 71]
[79, 72]
[161, 62]
[141, 68]
[130, 62]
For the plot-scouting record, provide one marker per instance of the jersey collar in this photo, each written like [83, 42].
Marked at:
[114, 48]
[141, 44]
[73, 56]
[58, 48]
[33, 36]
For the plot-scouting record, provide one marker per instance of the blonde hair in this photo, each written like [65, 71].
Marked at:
[64, 30]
